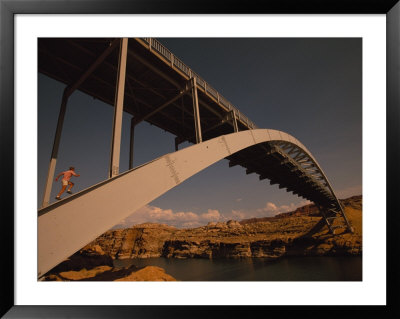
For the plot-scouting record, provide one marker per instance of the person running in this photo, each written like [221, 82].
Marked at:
[66, 181]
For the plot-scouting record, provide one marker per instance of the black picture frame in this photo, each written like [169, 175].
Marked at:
[8, 10]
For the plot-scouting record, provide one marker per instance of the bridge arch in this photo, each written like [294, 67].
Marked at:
[66, 226]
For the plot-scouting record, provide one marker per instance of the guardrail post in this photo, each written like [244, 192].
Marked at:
[118, 110]
[196, 113]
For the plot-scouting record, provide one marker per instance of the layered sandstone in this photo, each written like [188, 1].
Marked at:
[141, 241]
[297, 233]
[107, 273]
[92, 264]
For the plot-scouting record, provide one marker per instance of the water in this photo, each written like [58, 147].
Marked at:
[256, 269]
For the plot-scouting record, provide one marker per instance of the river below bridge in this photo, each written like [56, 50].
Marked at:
[256, 269]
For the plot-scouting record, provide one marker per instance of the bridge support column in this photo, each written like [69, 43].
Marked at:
[196, 113]
[131, 143]
[349, 228]
[325, 217]
[67, 93]
[118, 109]
[54, 152]
[234, 121]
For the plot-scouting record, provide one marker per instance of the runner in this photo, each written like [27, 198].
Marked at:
[66, 181]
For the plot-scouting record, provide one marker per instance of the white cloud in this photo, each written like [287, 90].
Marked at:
[269, 207]
[269, 210]
[153, 214]
[211, 215]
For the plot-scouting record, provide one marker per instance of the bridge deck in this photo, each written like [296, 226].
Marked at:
[154, 76]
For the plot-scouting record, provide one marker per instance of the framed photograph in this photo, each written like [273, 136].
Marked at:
[261, 53]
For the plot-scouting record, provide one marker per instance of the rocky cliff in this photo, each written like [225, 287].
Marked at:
[92, 264]
[141, 241]
[298, 233]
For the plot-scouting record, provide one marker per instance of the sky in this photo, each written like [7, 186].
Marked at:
[309, 88]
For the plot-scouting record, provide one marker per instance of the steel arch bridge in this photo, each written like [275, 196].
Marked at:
[66, 226]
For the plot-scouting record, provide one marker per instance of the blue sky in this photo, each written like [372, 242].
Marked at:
[309, 88]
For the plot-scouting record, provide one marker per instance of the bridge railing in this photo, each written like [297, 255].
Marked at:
[208, 89]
